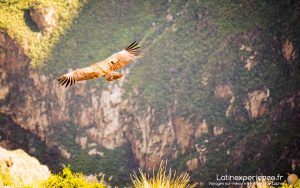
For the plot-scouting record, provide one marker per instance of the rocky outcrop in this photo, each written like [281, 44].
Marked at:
[257, 103]
[183, 133]
[201, 129]
[202, 157]
[250, 63]
[288, 109]
[44, 17]
[218, 131]
[223, 91]
[288, 50]
[192, 164]
[230, 110]
[250, 60]
[22, 168]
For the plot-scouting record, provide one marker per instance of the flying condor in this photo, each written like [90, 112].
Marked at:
[104, 68]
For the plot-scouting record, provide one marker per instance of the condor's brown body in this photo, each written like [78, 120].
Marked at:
[104, 68]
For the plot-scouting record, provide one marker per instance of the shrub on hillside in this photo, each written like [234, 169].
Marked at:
[286, 185]
[69, 179]
[5, 178]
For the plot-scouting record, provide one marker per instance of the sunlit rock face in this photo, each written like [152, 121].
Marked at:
[201, 129]
[184, 131]
[257, 103]
[149, 144]
[250, 59]
[218, 131]
[223, 91]
[14, 73]
[250, 63]
[22, 168]
[192, 164]
[288, 50]
[36, 102]
[44, 18]
[202, 155]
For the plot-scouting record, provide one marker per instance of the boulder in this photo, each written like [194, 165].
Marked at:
[44, 17]
[22, 168]
[288, 51]
[256, 103]
[223, 91]
[192, 164]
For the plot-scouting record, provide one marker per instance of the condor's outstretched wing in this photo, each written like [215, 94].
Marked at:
[86, 73]
[125, 56]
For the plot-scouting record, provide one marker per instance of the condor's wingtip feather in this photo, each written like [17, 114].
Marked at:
[132, 45]
[67, 81]
[133, 48]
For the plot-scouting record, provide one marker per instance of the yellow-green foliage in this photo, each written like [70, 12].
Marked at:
[286, 185]
[161, 179]
[265, 184]
[5, 178]
[260, 184]
[68, 179]
[14, 15]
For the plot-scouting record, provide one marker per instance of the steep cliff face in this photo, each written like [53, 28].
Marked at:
[151, 144]
[35, 101]
[38, 104]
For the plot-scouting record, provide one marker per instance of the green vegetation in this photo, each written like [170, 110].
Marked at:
[201, 46]
[69, 179]
[15, 14]
[113, 163]
[111, 26]
[268, 184]
[286, 185]
[5, 178]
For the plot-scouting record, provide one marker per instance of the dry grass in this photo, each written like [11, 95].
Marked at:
[161, 179]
